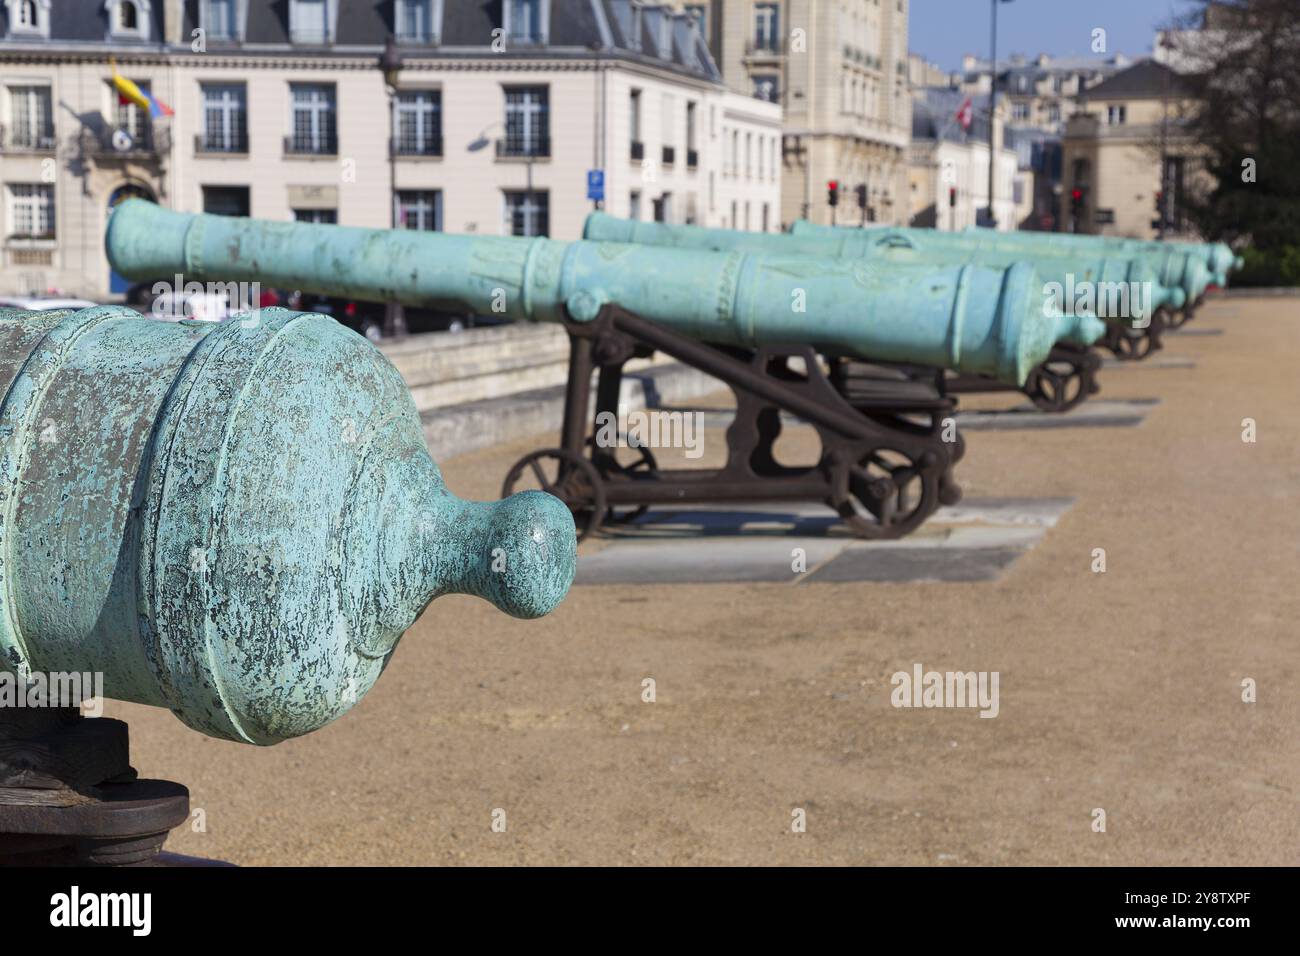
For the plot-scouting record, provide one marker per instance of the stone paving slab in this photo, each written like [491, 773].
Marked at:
[976, 540]
[1159, 361]
[1094, 413]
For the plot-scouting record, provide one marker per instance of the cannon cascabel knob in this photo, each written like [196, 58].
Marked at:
[235, 521]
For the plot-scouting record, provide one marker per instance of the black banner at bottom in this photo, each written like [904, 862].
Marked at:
[305, 906]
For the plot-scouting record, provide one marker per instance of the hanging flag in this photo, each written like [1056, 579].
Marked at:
[129, 92]
[966, 115]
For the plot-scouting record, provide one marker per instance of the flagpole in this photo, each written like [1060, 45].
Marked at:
[993, 109]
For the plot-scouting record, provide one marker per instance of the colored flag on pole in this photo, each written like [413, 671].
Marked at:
[129, 92]
[966, 115]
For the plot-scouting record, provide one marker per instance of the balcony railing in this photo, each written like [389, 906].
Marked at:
[669, 155]
[638, 150]
[515, 147]
[765, 46]
[234, 144]
[418, 146]
[863, 57]
[320, 145]
[25, 140]
[118, 143]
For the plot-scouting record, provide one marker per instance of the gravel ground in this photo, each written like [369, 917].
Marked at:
[1120, 690]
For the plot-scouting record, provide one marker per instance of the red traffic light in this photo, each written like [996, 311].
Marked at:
[833, 185]
[1076, 194]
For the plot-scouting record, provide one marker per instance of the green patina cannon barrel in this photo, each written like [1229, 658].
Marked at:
[977, 320]
[234, 521]
[1217, 257]
[1175, 265]
[910, 249]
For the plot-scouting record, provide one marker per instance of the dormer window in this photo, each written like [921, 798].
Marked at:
[128, 19]
[416, 21]
[526, 20]
[310, 20]
[29, 18]
[221, 19]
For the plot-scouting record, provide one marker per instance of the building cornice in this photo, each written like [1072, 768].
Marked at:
[282, 56]
[578, 60]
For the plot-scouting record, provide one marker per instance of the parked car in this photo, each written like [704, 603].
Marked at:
[367, 318]
[37, 303]
[201, 306]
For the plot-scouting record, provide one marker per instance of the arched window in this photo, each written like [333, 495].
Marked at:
[128, 18]
[27, 14]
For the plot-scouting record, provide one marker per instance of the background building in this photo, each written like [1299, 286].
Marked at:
[948, 169]
[1128, 129]
[282, 111]
[839, 71]
[1042, 92]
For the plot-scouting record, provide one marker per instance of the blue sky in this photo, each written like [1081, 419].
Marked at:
[943, 30]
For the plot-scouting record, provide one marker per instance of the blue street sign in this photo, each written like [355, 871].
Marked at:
[596, 185]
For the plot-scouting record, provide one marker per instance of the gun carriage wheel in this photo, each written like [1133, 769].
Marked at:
[567, 476]
[1178, 319]
[1131, 344]
[887, 494]
[1066, 379]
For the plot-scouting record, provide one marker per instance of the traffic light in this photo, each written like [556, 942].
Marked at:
[833, 192]
[1076, 200]
[861, 190]
[952, 197]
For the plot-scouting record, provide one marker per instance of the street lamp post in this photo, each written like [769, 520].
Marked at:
[1166, 181]
[390, 64]
[993, 108]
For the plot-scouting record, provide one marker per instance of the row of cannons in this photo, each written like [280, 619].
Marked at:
[238, 521]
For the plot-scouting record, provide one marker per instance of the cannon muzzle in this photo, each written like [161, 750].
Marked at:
[970, 318]
[236, 521]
